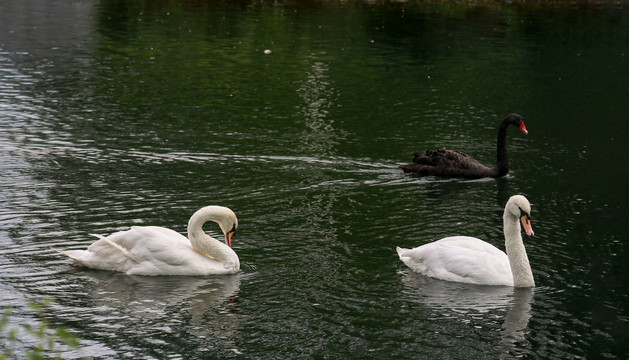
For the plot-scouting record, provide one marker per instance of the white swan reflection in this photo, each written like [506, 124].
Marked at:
[205, 307]
[471, 304]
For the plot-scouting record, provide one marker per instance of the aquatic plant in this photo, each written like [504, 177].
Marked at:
[49, 337]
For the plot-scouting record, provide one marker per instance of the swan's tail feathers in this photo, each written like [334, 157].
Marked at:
[79, 256]
[400, 251]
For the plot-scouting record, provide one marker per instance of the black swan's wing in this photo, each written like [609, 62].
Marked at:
[446, 163]
[443, 157]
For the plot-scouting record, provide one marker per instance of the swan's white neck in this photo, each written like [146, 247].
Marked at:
[207, 245]
[519, 261]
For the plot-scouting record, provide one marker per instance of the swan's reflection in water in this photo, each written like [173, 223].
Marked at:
[476, 305]
[162, 309]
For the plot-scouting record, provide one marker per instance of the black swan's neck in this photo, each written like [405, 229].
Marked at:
[502, 161]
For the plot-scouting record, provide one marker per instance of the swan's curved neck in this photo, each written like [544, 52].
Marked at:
[206, 245]
[502, 161]
[519, 261]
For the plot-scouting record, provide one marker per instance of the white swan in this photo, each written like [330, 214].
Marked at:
[153, 250]
[470, 260]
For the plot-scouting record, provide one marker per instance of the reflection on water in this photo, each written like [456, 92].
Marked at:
[320, 136]
[205, 309]
[478, 306]
[514, 328]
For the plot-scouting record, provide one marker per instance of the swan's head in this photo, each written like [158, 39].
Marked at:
[519, 207]
[517, 120]
[225, 218]
[228, 223]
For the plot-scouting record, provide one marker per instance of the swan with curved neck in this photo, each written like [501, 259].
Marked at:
[153, 250]
[471, 260]
[453, 163]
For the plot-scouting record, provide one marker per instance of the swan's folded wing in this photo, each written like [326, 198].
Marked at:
[138, 246]
[156, 244]
[460, 259]
[444, 158]
[447, 163]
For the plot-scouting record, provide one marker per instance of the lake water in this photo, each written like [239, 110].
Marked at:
[120, 113]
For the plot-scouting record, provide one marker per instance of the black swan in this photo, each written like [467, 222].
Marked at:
[453, 163]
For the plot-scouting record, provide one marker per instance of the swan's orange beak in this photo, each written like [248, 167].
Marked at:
[228, 238]
[523, 128]
[526, 224]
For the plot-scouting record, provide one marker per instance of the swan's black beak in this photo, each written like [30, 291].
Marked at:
[228, 238]
[523, 128]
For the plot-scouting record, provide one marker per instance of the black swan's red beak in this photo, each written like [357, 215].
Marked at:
[523, 128]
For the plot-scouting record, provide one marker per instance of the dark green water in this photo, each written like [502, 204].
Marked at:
[118, 113]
